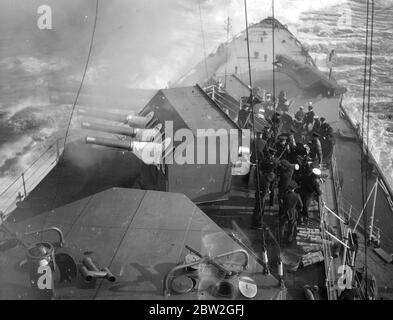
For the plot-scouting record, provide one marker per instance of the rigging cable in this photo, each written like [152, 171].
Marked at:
[203, 39]
[61, 171]
[368, 126]
[258, 198]
[363, 150]
[273, 58]
[228, 26]
[275, 109]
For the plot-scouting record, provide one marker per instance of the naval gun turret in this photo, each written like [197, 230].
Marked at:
[182, 142]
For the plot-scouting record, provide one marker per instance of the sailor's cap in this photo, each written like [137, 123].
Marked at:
[315, 134]
[301, 107]
[316, 171]
[272, 150]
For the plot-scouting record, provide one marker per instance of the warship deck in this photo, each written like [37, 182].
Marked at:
[234, 215]
[140, 236]
[348, 154]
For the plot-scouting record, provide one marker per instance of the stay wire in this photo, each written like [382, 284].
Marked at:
[258, 199]
[203, 39]
[363, 157]
[368, 131]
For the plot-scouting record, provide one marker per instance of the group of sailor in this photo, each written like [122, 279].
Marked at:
[289, 156]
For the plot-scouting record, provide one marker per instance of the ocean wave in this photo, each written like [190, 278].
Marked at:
[13, 109]
[34, 65]
[350, 45]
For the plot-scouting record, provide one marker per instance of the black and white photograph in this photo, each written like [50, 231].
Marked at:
[199, 155]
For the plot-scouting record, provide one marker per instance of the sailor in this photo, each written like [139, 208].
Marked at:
[325, 129]
[292, 153]
[327, 140]
[282, 146]
[269, 167]
[285, 171]
[269, 111]
[276, 124]
[266, 180]
[289, 211]
[286, 121]
[309, 117]
[268, 137]
[316, 149]
[297, 127]
[243, 116]
[261, 145]
[317, 125]
[309, 188]
[282, 98]
[299, 115]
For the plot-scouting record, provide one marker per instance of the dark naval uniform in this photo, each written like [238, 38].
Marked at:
[261, 146]
[288, 214]
[327, 140]
[316, 149]
[266, 180]
[242, 118]
[285, 172]
[309, 187]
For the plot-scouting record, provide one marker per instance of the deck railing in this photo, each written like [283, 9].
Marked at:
[338, 218]
[20, 188]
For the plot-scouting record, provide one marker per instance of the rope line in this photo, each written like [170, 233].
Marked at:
[258, 199]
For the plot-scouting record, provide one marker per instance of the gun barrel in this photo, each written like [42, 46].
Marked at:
[112, 143]
[104, 115]
[126, 131]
